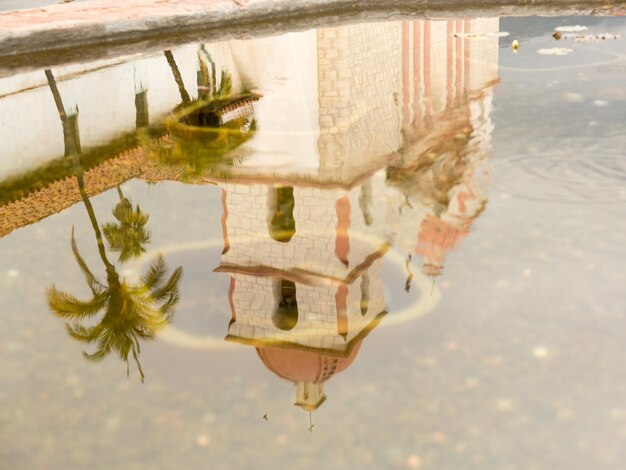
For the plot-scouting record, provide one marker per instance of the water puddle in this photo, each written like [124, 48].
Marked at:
[410, 230]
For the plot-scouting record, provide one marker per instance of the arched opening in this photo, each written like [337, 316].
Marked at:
[281, 224]
[286, 313]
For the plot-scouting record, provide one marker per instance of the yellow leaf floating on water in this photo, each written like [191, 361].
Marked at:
[515, 45]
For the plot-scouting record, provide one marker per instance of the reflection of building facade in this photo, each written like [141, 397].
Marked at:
[305, 277]
[446, 127]
[305, 261]
[368, 135]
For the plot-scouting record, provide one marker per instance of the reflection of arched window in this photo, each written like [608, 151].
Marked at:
[365, 293]
[286, 313]
[282, 225]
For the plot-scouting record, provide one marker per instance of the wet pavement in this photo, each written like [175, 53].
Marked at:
[409, 230]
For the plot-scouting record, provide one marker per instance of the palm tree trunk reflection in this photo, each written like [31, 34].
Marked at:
[130, 311]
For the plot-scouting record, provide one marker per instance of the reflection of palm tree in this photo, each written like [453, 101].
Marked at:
[199, 136]
[131, 311]
[177, 76]
[128, 235]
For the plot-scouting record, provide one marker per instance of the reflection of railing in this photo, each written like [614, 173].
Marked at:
[208, 129]
[214, 113]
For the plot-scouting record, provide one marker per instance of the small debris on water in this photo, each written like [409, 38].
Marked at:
[472, 382]
[515, 45]
[489, 34]
[504, 404]
[586, 37]
[571, 29]
[13, 274]
[202, 440]
[413, 461]
[555, 51]
[574, 97]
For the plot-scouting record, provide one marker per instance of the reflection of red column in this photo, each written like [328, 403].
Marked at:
[450, 63]
[224, 218]
[417, 69]
[427, 78]
[466, 52]
[341, 302]
[231, 291]
[460, 58]
[406, 92]
[342, 242]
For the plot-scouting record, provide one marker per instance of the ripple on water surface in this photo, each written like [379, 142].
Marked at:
[583, 171]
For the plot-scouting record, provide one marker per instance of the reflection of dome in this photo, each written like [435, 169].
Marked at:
[307, 369]
[305, 366]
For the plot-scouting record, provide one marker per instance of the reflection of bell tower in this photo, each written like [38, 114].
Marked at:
[303, 246]
[305, 266]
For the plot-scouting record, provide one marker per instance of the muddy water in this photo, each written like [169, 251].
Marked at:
[408, 230]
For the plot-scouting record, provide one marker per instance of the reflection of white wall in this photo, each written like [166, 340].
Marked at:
[102, 94]
[284, 70]
[30, 132]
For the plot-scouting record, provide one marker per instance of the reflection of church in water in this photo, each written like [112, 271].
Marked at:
[365, 136]
[400, 113]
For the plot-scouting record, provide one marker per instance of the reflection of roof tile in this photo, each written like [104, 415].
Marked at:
[63, 193]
